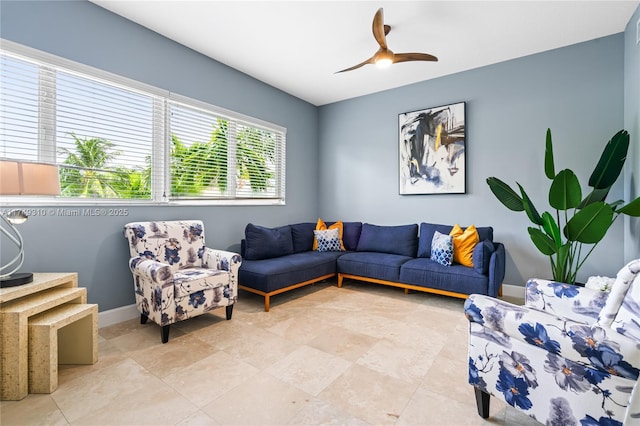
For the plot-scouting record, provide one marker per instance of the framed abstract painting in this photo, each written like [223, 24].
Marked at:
[432, 150]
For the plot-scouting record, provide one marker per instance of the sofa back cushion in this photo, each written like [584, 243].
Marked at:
[482, 256]
[428, 229]
[302, 235]
[266, 243]
[402, 240]
[350, 234]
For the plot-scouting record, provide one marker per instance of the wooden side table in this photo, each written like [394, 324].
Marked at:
[17, 304]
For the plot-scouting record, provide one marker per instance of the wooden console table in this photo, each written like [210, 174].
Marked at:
[17, 305]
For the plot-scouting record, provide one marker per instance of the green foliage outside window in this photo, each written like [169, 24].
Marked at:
[88, 171]
[85, 171]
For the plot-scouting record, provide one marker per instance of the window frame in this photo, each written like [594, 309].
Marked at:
[161, 140]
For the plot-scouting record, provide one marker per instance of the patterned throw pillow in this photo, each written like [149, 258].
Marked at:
[442, 249]
[321, 226]
[328, 240]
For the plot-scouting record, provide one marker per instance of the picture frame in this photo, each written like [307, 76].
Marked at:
[432, 146]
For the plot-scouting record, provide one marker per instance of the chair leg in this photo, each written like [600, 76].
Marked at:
[143, 319]
[165, 333]
[482, 401]
[229, 311]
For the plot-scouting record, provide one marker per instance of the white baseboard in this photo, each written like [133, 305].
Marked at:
[125, 313]
[114, 316]
[513, 290]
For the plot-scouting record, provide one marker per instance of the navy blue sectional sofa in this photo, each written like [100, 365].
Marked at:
[280, 259]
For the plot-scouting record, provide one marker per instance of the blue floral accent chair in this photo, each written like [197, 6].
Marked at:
[175, 276]
[569, 356]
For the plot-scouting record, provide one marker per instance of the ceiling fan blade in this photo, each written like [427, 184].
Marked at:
[368, 61]
[406, 57]
[379, 30]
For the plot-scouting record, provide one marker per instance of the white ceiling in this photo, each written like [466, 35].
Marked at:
[297, 46]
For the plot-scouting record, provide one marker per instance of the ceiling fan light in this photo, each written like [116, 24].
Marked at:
[384, 62]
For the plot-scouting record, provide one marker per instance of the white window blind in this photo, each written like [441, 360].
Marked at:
[218, 156]
[104, 139]
[114, 140]
[18, 108]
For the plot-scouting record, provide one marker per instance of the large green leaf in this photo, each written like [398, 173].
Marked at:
[611, 161]
[565, 192]
[505, 194]
[590, 224]
[551, 228]
[542, 242]
[594, 196]
[549, 168]
[631, 209]
[529, 208]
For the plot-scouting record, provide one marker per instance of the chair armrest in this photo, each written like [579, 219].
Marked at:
[221, 259]
[593, 346]
[579, 304]
[225, 261]
[151, 270]
[496, 269]
[633, 409]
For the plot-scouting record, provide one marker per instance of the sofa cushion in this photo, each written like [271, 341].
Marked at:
[274, 274]
[401, 240]
[350, 234]
[267, 243]
[442, 249]
[382, 266]
[464, 241]
[302, 235]
[482, 256]
[427, 230]
[328, 240]
[455, 278]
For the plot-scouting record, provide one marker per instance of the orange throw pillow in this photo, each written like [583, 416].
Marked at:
[321, 226]
[463, 244]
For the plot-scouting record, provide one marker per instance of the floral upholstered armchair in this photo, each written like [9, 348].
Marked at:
[569, 356]
[175, 276]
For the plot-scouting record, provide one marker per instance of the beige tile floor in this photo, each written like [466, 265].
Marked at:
[363, 354]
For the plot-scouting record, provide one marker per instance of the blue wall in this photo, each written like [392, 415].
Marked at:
[342, 158]
[94, 246]
[632, 124]
[577, 91]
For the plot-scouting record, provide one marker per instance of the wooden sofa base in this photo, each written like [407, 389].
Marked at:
[267, 295]
[406, 287]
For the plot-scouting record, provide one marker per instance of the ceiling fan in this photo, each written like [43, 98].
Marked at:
[384, 56]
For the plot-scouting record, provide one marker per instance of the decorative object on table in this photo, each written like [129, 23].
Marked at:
[175, 276]
[432, 150]
[569, 356]
[586, 221]
[22, 178]
[384, 57]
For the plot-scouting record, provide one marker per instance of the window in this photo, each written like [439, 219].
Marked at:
[214, 155]
[119, 141]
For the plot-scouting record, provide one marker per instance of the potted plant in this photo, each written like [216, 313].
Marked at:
[576, 221]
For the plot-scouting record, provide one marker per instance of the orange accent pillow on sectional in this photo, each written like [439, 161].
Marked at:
[463, 244]
[321, 226]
